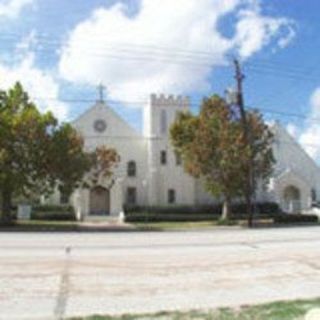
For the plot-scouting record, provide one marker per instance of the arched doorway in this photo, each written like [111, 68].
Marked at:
[292, 199]
[99, 201]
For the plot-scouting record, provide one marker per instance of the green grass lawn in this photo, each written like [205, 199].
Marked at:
[48, 225]
[163, 226]
[41, 225]
[293, 310]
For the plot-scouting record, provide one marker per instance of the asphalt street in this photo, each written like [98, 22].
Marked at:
[58, 275]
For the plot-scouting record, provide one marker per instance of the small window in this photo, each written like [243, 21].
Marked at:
[132, 169]
[163, 122]
[171, 196]
[131, 195]
[163, 157]
[178, 159]
[313, 195]
[64, 198]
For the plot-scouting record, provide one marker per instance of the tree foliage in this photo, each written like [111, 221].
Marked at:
[37, 154]
[213, 148]
[68, 162]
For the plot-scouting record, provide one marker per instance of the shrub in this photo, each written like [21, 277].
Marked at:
[196, 213]
[53, 212]
[152, 217]
[296, 218]
[52, 208]
[206, 209]
[262, 210]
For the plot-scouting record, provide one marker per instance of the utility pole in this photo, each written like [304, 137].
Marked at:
[239, 76]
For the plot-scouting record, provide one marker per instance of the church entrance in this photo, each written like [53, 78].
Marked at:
[292, 201]
[99, 201]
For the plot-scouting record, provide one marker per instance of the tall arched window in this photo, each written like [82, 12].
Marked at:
[132, 169]
[178, 158]
[163, 121]
[64, 197]
[171, 196]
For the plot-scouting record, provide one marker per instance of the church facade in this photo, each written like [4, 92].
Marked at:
[150, 173]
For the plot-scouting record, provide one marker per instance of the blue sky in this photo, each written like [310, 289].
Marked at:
[61, 50]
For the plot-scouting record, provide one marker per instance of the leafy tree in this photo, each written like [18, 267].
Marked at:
[213, 148]
[37, 154]
[102, 162]
[68, 161]
[72, 167]
[23, 131]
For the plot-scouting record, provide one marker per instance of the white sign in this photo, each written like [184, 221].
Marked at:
[24, 212]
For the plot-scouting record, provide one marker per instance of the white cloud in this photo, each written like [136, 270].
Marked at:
[293, 130]
[310, 137]
[254, 31]
[40, 85]
[160, 49]
[12, 8]
[283, 42]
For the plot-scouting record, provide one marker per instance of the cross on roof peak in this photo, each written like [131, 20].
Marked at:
[101, 89]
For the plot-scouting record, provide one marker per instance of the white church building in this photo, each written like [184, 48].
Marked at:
[151, 174]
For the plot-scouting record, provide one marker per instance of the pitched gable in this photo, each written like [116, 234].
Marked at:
[115, 126]
[289, 154]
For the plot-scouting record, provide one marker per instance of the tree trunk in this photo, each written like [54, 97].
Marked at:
[249, 209]
[248, 195]
[226, 209]
[6, 207]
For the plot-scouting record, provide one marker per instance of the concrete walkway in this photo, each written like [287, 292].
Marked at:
[53, 276]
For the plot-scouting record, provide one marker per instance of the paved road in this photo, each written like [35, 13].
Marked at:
[52, 276]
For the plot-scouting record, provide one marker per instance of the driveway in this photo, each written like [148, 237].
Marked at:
[57, 275]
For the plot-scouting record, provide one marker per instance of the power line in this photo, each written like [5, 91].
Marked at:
[171, 55]
[132, 47]
[281, 73]
[144, 102]
[142, 137]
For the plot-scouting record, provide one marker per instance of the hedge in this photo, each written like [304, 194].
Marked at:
[53, 212]
[296, 218]
[205, 209]
[197, 213]
[147, 217]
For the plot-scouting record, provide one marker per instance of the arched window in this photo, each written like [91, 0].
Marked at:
[64, 198]
[163, 157]
[171, 196]
[178, 158]
[132, 169]
[292, 199]
[163, 122]
[131, 195]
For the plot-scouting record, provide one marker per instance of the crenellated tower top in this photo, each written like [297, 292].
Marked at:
[163, 100]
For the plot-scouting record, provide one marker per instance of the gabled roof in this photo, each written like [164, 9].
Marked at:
[282, 135]
[116, 126]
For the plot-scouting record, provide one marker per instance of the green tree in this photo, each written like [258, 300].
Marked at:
[23, 131]
[37, 154]
[68, 161]
[213, 149]
[102, 163]
[71, 167]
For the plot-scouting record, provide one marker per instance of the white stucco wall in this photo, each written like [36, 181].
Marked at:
[130, 145]
[161, 177]
[291, 158]
[153, 179]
